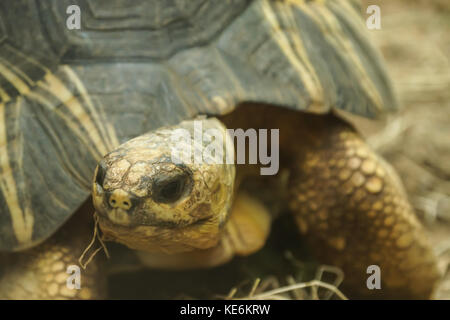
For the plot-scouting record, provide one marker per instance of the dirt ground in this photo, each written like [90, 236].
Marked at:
[415, 40]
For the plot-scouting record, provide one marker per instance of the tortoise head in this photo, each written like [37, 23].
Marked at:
[148, 201]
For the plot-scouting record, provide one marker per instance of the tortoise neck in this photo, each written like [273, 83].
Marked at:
[298, 131]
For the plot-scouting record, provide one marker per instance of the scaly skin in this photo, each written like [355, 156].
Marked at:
[348, 203]
[41, 272]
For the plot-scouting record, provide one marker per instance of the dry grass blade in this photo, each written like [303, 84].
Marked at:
[339, 278]
[313, 283]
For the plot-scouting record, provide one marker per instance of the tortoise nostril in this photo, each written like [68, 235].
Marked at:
[119, 199]
[112, 202]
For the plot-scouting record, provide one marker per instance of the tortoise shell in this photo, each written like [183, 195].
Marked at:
[68, 97]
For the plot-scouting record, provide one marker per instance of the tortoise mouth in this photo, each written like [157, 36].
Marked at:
[120, 217]
[162, 237]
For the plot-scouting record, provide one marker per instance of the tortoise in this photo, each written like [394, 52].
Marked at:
[89, 115]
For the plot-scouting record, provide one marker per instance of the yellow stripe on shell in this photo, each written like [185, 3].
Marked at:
[107, 129]
[328, 23]
[19, 72]
[18, 83]
[301, 51]
[4, 96]
[309, 80]
[56, 87]
[22, 219]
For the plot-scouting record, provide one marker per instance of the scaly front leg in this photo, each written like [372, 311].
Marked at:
[350, 205]
[42, 272]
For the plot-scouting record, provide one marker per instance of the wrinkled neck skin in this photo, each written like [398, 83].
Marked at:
[133, 175]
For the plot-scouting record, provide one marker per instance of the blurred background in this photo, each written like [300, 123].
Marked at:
[415, 41]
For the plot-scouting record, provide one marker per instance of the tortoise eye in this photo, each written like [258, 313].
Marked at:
[171, 189]
[101, 173]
